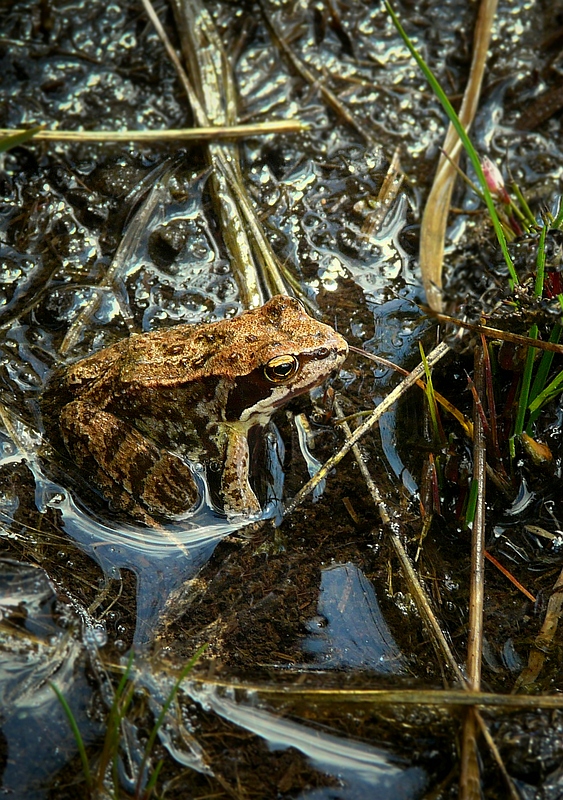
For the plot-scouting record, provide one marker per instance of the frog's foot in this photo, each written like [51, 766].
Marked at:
[127, 468]
[238, 498]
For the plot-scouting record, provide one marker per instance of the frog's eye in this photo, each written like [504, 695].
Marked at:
[281, 368]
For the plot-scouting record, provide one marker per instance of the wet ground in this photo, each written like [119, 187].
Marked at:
[103, 240]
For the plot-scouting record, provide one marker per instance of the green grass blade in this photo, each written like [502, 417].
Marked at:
[153, 779]
[160, 719]
[77, 736]
[431, 400]
[538, 386]
[539, 383]
[124, 678]
[471, 503]
[550, 391]
[526, 211]
[121, 701]
[558, 221]
[526, 384]
[470, 150]
[15, 139]
[540, 263]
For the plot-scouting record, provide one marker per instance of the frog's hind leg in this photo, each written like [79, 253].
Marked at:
[127, 468]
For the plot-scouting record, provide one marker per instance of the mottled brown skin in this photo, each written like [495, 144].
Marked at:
[135, 414]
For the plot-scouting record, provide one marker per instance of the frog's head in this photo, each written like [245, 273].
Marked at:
[287, 353]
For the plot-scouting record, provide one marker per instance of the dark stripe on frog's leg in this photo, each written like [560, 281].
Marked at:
[169, 488]
[124, 464]
[117, 448]
[238, 497]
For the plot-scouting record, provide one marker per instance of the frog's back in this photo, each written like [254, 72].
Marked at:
[224, 350]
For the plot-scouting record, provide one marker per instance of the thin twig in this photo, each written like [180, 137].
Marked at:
[432, 359]
[497, 333]
[510, 576]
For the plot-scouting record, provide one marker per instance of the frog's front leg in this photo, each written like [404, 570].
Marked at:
[127, 467]
[238, 497]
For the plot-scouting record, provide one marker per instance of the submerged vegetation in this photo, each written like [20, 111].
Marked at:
[106, 776]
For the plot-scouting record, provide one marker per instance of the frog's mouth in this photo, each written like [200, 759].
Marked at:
[254, 398]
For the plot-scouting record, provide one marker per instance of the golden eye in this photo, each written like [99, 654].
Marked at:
[281, 368]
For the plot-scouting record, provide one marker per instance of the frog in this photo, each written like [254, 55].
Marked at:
[143, 416]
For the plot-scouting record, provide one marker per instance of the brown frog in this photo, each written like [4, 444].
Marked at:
[138, 416]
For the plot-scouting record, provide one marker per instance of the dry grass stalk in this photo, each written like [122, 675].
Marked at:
[214, 102]
[435, 217]
[441, 698]
[469, 783]
[544, 640]
[203, 134]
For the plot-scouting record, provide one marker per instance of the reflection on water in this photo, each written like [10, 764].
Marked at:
[362, 771]
[162, 558]
[40, 642]
[349, 629]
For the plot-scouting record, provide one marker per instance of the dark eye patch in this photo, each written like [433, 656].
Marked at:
[247, 391]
